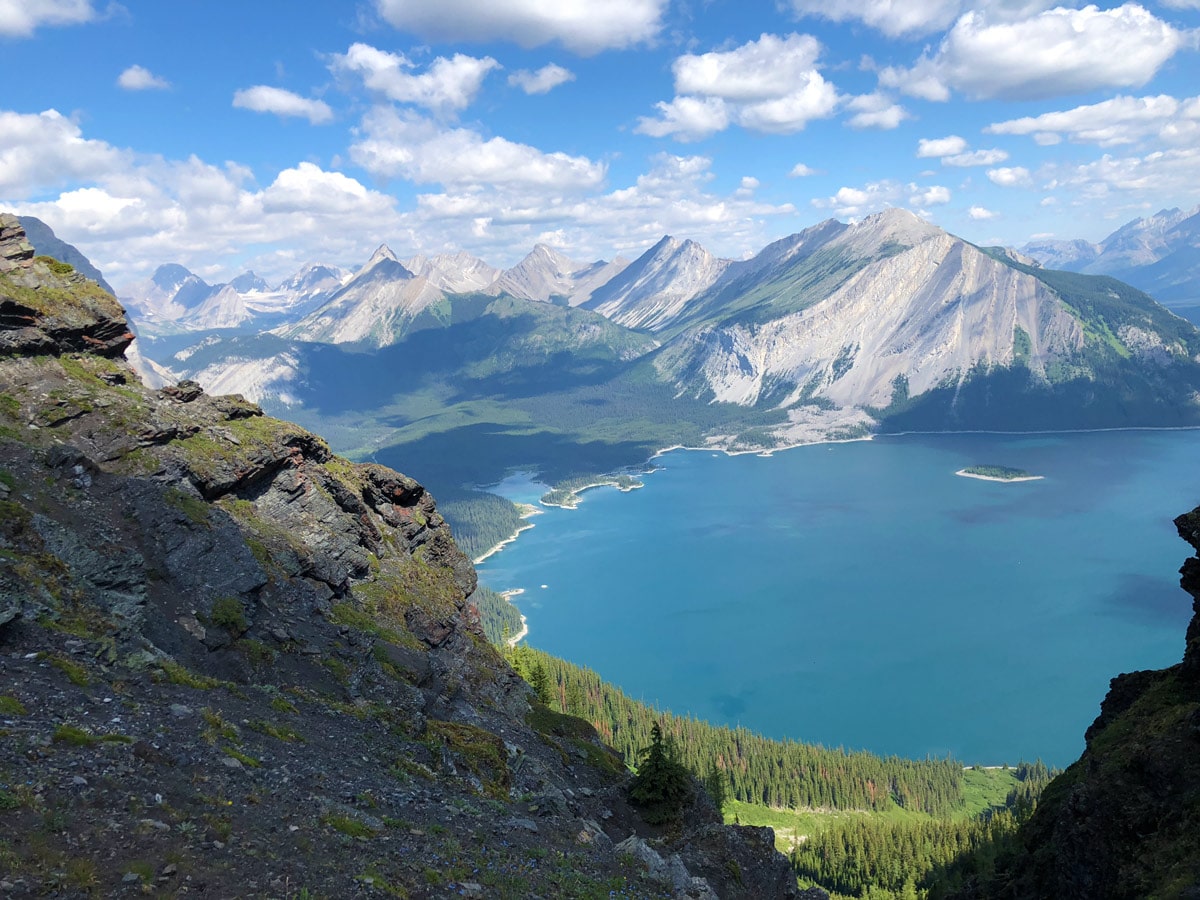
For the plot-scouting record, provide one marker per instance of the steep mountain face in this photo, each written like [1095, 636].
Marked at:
[248, 282]
[314, 278]
[840, 315]
[838, 328]
[45, 241]
[1159, 254]
[236, 664]
[454, 273]
[375, 306]
[546, 275]
[652, 290]
[1122, 821]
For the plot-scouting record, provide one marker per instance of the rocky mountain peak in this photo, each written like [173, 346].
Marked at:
[383, 252]
[48, 307]
[169, 276]
[893, 225]
[15, 249]
[248, 282]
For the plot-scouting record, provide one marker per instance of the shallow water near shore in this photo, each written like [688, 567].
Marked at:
[861, 595]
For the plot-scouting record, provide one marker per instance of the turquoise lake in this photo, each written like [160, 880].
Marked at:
[861, 595]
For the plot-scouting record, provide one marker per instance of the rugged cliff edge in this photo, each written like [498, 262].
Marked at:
[1123, 821]
[234, 664]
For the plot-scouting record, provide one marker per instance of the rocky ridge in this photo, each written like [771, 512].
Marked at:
[232, 663]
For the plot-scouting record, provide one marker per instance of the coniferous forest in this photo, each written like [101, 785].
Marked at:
[893, 828]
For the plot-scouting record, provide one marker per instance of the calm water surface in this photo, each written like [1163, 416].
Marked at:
[861, 595]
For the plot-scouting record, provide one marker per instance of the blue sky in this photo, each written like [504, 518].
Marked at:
[270, 133]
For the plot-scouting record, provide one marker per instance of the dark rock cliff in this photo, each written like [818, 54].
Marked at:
[234, 664]
[1123, 821]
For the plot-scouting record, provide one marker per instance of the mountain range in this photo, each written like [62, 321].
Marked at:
[846, 316]
[571, 368]
[1159, 254]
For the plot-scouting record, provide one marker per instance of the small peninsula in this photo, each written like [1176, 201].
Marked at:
[998, 473]
[566, 494]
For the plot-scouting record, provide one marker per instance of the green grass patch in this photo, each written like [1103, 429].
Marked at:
[194, 508]
[480, 751]
[244, 758]
[77, 737]
[55, 266]
[173, 673]
[230, 614]
[347, 825]
[279, 732]
[75, 673]
[215, 726]
[11, 706]
[987, 789]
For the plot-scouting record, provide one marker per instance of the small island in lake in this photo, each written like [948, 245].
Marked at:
[998, 473]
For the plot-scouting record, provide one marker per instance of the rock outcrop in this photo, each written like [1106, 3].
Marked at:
[232, 663]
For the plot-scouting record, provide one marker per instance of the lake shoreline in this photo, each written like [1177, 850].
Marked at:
[574, 500]
[807, 500]
[527, 510]
[767, 453]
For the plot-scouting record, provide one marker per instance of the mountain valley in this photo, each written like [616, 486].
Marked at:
[541, 379]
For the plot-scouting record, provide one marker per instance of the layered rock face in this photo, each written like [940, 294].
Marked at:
[1123, 821]
[233, 663]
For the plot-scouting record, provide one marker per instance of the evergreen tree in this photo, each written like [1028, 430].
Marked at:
[714, 786]
[540, 682]
[662, 784]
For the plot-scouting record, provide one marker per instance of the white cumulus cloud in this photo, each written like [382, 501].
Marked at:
[952, 151]
[976, 158]
[770, 85]
[266, 99]
[1060, 51]
[800, 170]
[20, 18]
[46, 150]
[1159, 178]
[930, 148]
[1015, 176]
[1110, 123]
[446, 85]
[583, 26]
[544, 80]
[395, 144]
[980, 213]
[854, 203]
[139, 78]
[895, 18]
[934, 195]
[876, 111]
[687, 118]
[309, 188]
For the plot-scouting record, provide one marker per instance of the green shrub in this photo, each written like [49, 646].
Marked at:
[230, 614]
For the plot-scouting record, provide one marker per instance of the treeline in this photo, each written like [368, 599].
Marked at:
[501, 620]
[479, 520]
[881, 859]
[781, 774]
[885, 859]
